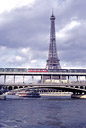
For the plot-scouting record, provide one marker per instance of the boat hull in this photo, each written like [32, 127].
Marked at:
[31, 96]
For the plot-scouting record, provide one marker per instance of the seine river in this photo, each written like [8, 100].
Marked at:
[44, 112]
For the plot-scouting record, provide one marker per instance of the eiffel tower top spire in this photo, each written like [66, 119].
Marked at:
[53, 61]
[52, 12]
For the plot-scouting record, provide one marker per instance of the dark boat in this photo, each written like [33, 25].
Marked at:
[30, 94]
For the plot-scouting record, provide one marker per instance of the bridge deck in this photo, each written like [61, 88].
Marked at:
[45, 73]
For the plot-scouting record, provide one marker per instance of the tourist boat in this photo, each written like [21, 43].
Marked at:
[30, 94]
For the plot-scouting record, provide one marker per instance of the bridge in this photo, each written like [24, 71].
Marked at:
[76, 86]
[69, 87]
[75, 73]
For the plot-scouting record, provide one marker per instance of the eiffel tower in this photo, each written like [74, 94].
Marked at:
[53, 60]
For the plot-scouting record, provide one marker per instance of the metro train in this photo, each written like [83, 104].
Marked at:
[41, 70]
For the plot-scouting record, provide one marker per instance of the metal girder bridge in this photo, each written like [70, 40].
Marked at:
[77, 87]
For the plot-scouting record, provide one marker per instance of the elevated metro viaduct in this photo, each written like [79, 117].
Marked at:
[78, 87]
[57, 74]
[74, 86]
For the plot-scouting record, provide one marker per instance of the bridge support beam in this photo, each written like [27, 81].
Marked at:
[77, 78]
[60, 78]
[68, 79]
[23, 79]
[4, 79]
[14, 79]
[42, 79]
[51, 79]
[32, 79]
[85, 78]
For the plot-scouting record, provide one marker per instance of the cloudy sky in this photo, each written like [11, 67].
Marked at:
[25, 28]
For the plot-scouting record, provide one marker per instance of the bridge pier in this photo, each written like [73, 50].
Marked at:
[68, 79]
[41, 79]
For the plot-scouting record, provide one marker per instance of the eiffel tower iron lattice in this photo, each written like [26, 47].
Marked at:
[53, 60]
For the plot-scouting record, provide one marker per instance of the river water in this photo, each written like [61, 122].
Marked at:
[44, 112]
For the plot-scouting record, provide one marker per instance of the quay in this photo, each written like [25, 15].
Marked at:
[2, 97]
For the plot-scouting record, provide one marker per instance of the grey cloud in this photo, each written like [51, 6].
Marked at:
[29, 28]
